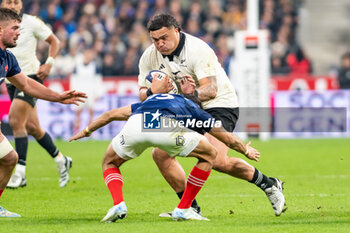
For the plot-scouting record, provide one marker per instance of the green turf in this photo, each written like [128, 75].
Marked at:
[317, 190]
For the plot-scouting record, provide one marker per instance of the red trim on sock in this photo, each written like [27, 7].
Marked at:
[1, 191]
[195, 181]
[114, 182]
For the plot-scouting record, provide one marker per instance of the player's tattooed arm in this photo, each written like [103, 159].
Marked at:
[207, 88]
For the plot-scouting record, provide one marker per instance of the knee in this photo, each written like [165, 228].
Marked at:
[112, 161]
[106, 161]
[10, 160]
[13, 158]
[221, 163]
[15, 122]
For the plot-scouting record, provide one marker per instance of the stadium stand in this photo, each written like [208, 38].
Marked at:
[116, 29]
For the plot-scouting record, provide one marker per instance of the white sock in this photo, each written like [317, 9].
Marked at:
[21, 170]
[59, 159]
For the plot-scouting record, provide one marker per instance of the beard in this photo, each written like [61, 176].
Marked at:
[9, 44]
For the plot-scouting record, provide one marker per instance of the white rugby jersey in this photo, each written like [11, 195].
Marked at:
[32, 28]
[195, 58]
[87, 78]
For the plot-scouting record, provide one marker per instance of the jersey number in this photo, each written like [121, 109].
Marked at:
[163, 96]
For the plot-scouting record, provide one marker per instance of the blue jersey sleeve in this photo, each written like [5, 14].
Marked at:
[13, 67]
[178, 108]
[203, 116]
[200, 115]
[135, 106]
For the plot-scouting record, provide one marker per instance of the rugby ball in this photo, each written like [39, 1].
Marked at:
[160, 75]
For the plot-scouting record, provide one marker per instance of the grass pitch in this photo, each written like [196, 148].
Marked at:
[317, 191]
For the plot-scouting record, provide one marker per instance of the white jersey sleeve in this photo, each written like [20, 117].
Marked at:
[205, 64]
[145, 65]
[40, 29]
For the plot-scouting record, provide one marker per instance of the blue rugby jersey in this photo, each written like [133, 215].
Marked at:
[176, 107]
[8, 65]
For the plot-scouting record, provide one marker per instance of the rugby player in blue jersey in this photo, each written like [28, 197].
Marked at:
[9, 32]
[174, 124]
[23, 116]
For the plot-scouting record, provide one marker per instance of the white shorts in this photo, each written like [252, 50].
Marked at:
[5, 147]
[133, 140]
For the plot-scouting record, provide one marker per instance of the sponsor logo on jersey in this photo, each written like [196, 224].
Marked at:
[6, 68]
[161, 67]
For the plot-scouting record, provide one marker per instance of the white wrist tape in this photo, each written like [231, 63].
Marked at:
[50, 61]
[87, 130]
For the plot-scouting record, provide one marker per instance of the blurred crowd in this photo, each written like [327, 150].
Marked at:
[344, 72]
[116, 30]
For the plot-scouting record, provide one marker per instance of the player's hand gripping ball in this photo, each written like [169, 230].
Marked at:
[160, 75]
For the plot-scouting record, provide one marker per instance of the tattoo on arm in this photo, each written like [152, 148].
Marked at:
[208, 91]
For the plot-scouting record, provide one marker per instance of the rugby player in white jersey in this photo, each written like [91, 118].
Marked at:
[86, 77]
[23, 115]
[9, 68]
[190, 60]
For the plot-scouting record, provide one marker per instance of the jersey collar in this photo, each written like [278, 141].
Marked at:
[178, 49]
